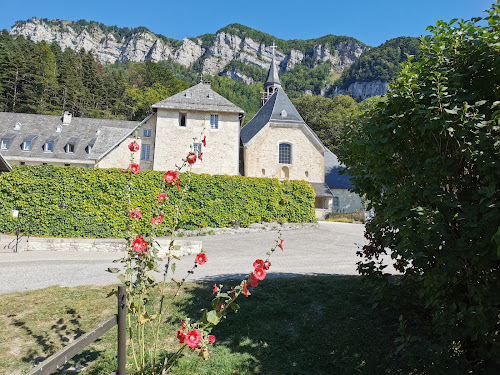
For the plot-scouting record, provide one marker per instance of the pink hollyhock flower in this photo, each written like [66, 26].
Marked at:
[211, 339]
[259, 273]
[124, 170]
[201, 157]
[171, 176]
[253, 281]
[134, 146]
[204, 141]
[193, 338]
[201, 258]
[245, 289]
[161, 196]
[134, 167]
[258, 263]
[137, 243]
[135, 214]
[215, 290]
[281, 245]
[183, 325]
[157, 220]
[191, 158]
[267, 264]
[181, 336]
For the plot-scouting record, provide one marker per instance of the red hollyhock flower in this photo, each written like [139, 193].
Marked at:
[215, 290]
[258, 263]
[171, 176]
[181, 336]
[191, 158]
[221, 306]
[204, 141]
[134, 167]
[135, 214]
[193, 338]
[157, 220]
[124, 170]
[201, 157]
[177, 184]
[201, 258]
[245, 289]
[267, 264]
[253, 281]
[137, 244]
[211, 339]
[281, 245]
[134, 146]
[232, 291]
[259, 273]
[161, 196]
[183, 325]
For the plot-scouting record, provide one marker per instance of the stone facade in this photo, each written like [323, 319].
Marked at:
[261, 156]
[119, 157]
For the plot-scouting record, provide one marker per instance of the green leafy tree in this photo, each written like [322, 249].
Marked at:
[428, 161]
[328, 117]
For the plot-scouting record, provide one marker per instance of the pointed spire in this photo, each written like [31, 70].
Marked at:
[272, 82]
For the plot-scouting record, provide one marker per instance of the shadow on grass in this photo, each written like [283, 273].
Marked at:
[61, 333]
[301, 325]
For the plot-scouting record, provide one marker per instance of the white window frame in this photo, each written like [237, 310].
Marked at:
[197, 149]
[4, 144]
[70, 148]
[214, 121]
[27, 145]
[147, 133]
[46, 147]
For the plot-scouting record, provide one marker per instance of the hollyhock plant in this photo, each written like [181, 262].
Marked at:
[171, 176]
[215, 289]
[181, 336]
[253, 281]
[245, 290]
[157, 220]
[133, 147]
[161, 197]
[201, 156]
[193, 338]
[135, 214]
[139, 244]
[191, 158]
[134, 168]
[211, 339]
[124, 170]
[201, 258]
[281, 245]
[204, 141]
[259, 273]
[258, 263]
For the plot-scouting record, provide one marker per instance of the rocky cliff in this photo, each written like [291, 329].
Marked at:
[111, 44]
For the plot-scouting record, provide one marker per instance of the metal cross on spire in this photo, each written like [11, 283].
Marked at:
[273, 47]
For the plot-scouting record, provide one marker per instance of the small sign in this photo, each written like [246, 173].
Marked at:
[15, 213]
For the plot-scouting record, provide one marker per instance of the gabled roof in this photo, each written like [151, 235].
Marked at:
[321, 189]
[277, 110]
[4, 165]
[80, 132]
[199, 98]
[332, 177]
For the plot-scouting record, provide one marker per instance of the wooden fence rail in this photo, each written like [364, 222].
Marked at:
[58, 359]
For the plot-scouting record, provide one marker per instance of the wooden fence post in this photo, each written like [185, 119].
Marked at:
[122, 329]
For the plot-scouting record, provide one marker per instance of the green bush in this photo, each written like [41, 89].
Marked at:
[97, 201]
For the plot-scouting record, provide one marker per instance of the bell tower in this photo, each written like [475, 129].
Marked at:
[272, 83]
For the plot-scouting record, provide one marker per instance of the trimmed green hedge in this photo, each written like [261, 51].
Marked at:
[97, 201]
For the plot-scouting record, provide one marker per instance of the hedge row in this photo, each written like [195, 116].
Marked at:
[78, 202]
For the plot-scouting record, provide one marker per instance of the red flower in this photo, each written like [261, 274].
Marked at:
[215, 290]
[211, 339]
[171, 176]
[177, 184]
[134, 146]
[259, 273]
[232, 291]
[135, 214]
[221, 306]
[134, 167]
[201, 157]
[161, 196]
[258, 263]
[245, 289]
[124, 170]
[267, 264]
[181, 336]
[201, 258]
[253, 281]
[183, 325]
[193, 338]
[157, 220]
[204, 141]
[139, 244]
[191, 158]
[281, 245]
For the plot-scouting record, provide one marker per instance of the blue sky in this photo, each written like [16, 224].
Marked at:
[372, 22]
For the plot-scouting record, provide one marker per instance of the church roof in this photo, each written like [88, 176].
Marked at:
[199, 98]
[278, 110]
[102, 134]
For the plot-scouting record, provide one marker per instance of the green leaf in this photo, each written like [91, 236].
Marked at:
[212, 317]
[172, 267]
[113, 270]
[235, 307]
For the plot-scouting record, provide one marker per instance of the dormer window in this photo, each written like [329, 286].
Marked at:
[17, 126]
[187, 94]
[283, 113]
[28, 142]
[6, 141]
[71, 145]
[210, 95]
[91, 145]
[49, 144]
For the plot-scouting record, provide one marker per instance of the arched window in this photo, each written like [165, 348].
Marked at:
[285, 153]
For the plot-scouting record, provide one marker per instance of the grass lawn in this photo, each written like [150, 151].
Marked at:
[303, 325]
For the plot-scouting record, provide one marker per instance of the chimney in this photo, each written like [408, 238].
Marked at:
[66, 118]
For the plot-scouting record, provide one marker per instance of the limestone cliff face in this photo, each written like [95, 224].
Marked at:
[363, 90]
[141, 45]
